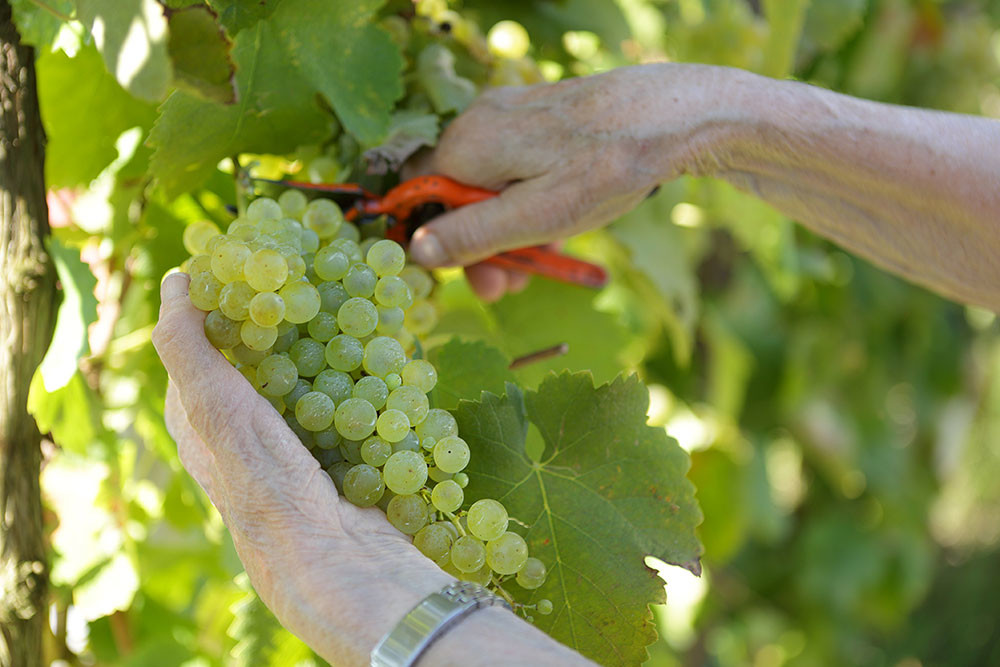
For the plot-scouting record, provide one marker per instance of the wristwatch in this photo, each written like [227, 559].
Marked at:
[429, 620]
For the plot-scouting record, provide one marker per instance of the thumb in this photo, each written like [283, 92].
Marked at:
[526, 213]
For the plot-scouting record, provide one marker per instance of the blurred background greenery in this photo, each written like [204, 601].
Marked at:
[844, 426]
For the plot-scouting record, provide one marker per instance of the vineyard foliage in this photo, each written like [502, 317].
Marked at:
[839, 424]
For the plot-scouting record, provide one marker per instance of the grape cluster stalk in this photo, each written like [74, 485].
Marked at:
[325, 325]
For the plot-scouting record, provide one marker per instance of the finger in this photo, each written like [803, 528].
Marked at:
[488, 282]
[517, 281]
[526, 213]
[191, 449]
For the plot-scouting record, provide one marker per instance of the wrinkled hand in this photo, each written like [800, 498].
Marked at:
[336, 575]
[568, 157]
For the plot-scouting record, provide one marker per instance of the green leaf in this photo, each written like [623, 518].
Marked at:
[132, 37]
[39, 27]
[466, 369]
[237, 15]
[548, 313]
[199, 50]
[609, 490]
[84, 113]
[305, 47]
[76, 312]
[71, 414]
[830, 23]
[785, 19]
[254, 628]
[408, 132]
[447, 90]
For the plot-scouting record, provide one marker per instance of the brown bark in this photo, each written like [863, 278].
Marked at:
[27, 316]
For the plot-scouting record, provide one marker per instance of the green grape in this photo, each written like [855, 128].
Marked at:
[197, 234]
[308, 356]
[338, 385]
[375, 451]
[392, 291]
[507, 553]
[408, 443]
[266, 270]
[468, 554]
[332, 296]
[315, 411]
[435, 473]
[383, 355]
[309, 240]
[532, 574]
[244, 355]
[461, 479]
[250, 373]
[420, 373]
[392, 425]
[483, 576]
[407, 513]
[349, 248]
[257, 337]
[355, 419]
[509, 39]
[277, 403]
[211, 243]
[277, 375]
[433, 541]
[204, 291]
[447, 496]
[221, 331]
[296, 267]
[323, 169]
[228, 259]
[544, 606]
[451, 454]
[263, 208]
[330, 264]
[234, 300]
[293, 203]
[198, 264]
[328, 439]
[326, 457]
[405, 472]
[304, 436]
[392, 381]
[323, 327]
[406, 339]
[302, 302]
[390, 320]
[386, 258]
[383, 503]
[344, 353]
[348, 232]
[301, 388]
[420, 318]
[360, 281]
[357, 317]
[351, 450]
[288, 333]
[267, 309]
[366, 245]
[323, 217]
[372, 389]
[338, 472]
[411, 401]
[420, 281]
[363, 485]
[487, 519]
[438, 424]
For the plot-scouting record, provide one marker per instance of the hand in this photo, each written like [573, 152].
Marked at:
[568, 157]
[336, 575]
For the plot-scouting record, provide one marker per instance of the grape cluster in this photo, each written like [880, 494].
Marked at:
[324, 325]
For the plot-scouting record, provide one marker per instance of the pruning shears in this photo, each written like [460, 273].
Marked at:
[414, 202]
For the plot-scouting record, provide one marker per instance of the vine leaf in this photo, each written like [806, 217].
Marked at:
[466, 370]
[305, 47]
[199, 50]
[238, 15]
[408, 132]
[436, 74]
[77, 311]
[607, 490]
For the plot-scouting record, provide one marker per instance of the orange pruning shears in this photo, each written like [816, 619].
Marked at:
[414, 202]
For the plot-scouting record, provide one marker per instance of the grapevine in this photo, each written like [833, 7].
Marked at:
[324, 324]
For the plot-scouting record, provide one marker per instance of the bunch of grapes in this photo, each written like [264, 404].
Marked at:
[324, 325]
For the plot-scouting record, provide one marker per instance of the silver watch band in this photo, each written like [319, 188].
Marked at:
[428, 621]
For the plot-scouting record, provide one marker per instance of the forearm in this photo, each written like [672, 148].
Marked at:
[915, 191]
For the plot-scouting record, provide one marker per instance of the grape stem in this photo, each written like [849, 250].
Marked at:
[458, 524]
[541, 355]
[505, 595]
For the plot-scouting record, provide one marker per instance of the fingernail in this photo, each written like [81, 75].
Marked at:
[427, 250]
[173, 285]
